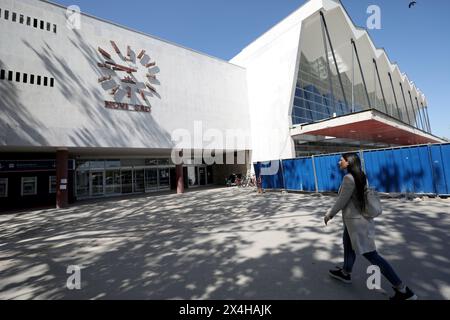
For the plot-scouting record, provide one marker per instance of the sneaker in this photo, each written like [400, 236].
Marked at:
[400, 296]
[339, 275]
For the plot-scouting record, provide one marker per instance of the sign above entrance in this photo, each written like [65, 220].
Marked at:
[131, 79]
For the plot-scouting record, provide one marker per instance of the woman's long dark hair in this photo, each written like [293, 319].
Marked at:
[355, 169]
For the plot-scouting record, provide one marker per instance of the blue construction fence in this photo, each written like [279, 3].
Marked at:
[423, 169]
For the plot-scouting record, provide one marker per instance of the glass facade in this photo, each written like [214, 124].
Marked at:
[339, 75]
[99, 178]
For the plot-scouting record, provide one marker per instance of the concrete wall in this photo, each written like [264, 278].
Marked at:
[193, 86]
[272, 66]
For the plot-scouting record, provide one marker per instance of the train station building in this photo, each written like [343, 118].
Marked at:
[99, 110]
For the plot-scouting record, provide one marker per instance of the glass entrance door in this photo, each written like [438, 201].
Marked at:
[192, 176]
[112, 182]
[127, 181]
[97, 184]
[151, 180]
[139, 185]
[164, 179]
[209, 175]
[202, 175]
[82, 184]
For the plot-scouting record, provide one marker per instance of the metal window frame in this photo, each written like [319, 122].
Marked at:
[35, 186]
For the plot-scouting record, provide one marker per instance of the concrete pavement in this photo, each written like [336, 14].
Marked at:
[215, 244]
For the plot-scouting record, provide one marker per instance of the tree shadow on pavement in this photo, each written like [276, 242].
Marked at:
[213, 244]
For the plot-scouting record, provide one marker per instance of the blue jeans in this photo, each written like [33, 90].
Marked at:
[373, 257]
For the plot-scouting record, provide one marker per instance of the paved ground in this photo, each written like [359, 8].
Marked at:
[215, 244]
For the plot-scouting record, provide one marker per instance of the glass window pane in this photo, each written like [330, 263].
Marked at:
[3, 187]
[151, 179]
[97, 164]
[164, 178]
[133, 162]
[112, 182]
[82, 181]
[139, 181]
[52, 184]
[202, 175]
[127, 181]
[97, 183]
[82, 164]
[29, 186]
[112, 163]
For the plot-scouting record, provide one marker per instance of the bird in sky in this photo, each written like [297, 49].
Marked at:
[412, 4]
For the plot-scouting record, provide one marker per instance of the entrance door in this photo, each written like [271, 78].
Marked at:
[193, 176]
[164, 179]
[112, 182]
[82, 184]
[139, 185]
[97, 184]
[209, 174]
[202, 175]
[127, 181]
[151, 180]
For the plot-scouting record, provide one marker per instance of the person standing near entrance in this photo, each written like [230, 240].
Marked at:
[259, 182]
[359, 232]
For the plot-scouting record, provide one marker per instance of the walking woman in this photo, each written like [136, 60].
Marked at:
[359, 232]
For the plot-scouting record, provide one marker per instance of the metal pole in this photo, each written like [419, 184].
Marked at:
[353, 80]
[404, 100]
[333, 101]
[395, 98]
[418, 108]
[334, 58]
[428, 118]
[362, 73]
[381, 86]
[423, 107]
[418, 114]
[422, 119]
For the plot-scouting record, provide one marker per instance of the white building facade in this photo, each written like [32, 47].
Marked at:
[92, 109]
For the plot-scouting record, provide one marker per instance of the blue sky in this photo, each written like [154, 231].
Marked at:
[415, 38]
